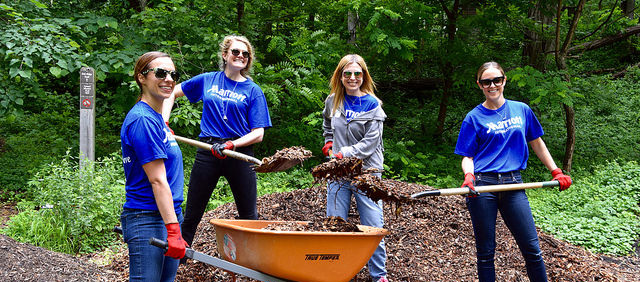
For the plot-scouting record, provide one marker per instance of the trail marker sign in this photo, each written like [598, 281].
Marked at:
[87, 114]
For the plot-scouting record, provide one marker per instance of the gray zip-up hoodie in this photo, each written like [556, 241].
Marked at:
[361, 137]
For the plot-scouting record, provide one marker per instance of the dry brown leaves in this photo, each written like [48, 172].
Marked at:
[284, 159]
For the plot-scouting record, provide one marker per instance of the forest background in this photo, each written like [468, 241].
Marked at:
[574, 62]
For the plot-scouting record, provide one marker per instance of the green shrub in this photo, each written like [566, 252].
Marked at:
[73, 210]
[599, 212]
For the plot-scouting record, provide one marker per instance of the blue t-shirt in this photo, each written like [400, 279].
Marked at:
[231, 108]
[497, 139]
[355, 106]
[145, 138]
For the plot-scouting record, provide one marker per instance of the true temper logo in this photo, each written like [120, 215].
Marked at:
[322, 257]
[505, 125]
[226, 94]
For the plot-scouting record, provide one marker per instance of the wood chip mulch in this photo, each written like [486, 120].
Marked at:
[430, 240]
[284, 159]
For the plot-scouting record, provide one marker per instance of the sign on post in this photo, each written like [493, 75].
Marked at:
[87, 114]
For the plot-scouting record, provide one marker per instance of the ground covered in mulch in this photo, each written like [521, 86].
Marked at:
[430, 240]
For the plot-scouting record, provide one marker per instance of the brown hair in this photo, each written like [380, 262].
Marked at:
[368, 85]
[142, 64]
[487, 66]
[224, 48]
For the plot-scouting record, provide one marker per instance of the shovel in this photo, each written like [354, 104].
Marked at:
[271, 165]
[484, 189]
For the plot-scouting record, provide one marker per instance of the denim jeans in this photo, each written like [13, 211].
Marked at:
[205, 174]
[147, 262]
[516, 213]
[338, 202]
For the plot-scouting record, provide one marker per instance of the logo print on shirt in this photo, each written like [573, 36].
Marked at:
[505, 125]
[226, 94]
[349, 114]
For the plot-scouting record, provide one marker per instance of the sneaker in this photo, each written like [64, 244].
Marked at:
[383, 279]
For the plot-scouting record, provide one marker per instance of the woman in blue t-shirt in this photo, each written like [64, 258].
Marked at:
[493, 143]
[234, 117]
[154, 176]
[352, 127]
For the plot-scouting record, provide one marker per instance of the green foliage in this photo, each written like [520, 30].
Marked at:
[406, 161]
[548, 87]
[32, 140]
[599, 211]
[73, 210]
[278, 182]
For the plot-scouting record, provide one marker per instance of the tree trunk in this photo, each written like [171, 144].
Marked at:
[447, 69]
[627, 8]
[571, 138]
[352, 23]
[561, 55]
[240, 8]
[536, 46]
[138, 5]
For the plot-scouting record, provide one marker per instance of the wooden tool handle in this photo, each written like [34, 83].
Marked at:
[484, 189]
[230, 153]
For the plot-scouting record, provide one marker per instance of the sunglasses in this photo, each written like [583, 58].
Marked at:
[348, 74]
[497, 81]
[162, 73]
[236, 53]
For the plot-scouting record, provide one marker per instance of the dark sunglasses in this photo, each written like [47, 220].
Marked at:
[347, 74]
[236, 53]
[486, 83]
[162, 73]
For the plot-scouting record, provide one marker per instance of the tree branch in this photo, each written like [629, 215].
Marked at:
[595, 44]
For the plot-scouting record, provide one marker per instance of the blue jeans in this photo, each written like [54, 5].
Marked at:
[147, 262]
[516, 213]
[338, 202]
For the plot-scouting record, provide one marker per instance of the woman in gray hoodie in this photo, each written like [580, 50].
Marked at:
[352, 125]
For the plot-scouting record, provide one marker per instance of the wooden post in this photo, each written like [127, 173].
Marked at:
[87, 114]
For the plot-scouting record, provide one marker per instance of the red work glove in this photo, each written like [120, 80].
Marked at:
[565, 180]
[469, 179]
[177, 245]
[217, 148]
[338, 155]
[167, 123]
[327, 147]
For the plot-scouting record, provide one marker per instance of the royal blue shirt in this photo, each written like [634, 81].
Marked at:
[497, 139]
[145, 138]
[231, 108]
[354, 106]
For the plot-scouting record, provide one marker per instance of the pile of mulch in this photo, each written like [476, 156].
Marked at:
[327, 224]
[430, 240]
[24, 262]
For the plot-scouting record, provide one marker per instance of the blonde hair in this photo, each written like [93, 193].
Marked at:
[224, 48]
[337, 88]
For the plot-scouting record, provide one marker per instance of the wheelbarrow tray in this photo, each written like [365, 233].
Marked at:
[296, 255]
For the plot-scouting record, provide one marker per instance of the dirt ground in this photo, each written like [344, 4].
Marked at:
[430, 240]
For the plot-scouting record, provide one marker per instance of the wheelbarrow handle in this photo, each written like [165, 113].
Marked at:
[230, 153]
[219, 263]
[484, 189]
[159, 243]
